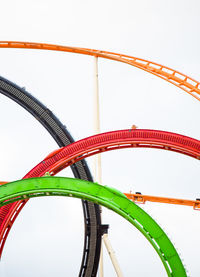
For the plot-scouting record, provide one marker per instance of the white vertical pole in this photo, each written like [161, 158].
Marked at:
[101, 273]
[97, 158]
[97, 120]
[97, 173]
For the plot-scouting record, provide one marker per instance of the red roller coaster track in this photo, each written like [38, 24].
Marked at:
[76, 151]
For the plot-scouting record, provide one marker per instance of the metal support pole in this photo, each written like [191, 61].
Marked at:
[97, 120]
[97, 158]
[97, 173]
[112, 255]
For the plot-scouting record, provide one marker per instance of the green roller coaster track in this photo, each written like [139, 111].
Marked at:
[105, 196]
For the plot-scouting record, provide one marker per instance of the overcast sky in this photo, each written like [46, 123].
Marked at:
[47, 237]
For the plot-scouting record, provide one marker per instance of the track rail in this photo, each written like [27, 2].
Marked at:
[170, 75]
[76, 151]
[105, 196]
[142, 199]
[92, 218]
[104, 142]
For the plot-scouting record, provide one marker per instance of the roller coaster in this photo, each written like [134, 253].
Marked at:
[14, 195]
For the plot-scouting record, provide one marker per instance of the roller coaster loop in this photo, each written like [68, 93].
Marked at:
[76, 151]
[176, 78]
[105, 196]
[142, 199]
[91, 211]
[100, 143]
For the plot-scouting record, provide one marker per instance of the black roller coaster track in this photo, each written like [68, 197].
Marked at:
[92, 217]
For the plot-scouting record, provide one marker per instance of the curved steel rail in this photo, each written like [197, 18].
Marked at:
[105, 196]
[58, 131]
[174, 77]
[76, 151]
[100, 143]
[142, 199]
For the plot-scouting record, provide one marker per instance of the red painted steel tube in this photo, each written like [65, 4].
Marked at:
[76, 151]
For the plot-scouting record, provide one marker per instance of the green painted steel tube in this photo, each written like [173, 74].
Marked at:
[105, 196]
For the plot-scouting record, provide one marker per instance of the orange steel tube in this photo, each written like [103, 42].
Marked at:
[176, 78]
[140, 198]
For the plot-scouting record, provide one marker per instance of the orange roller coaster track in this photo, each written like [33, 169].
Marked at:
[140, 198]
[177, 78]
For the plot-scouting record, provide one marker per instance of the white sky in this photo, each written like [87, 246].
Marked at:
[47, 237]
